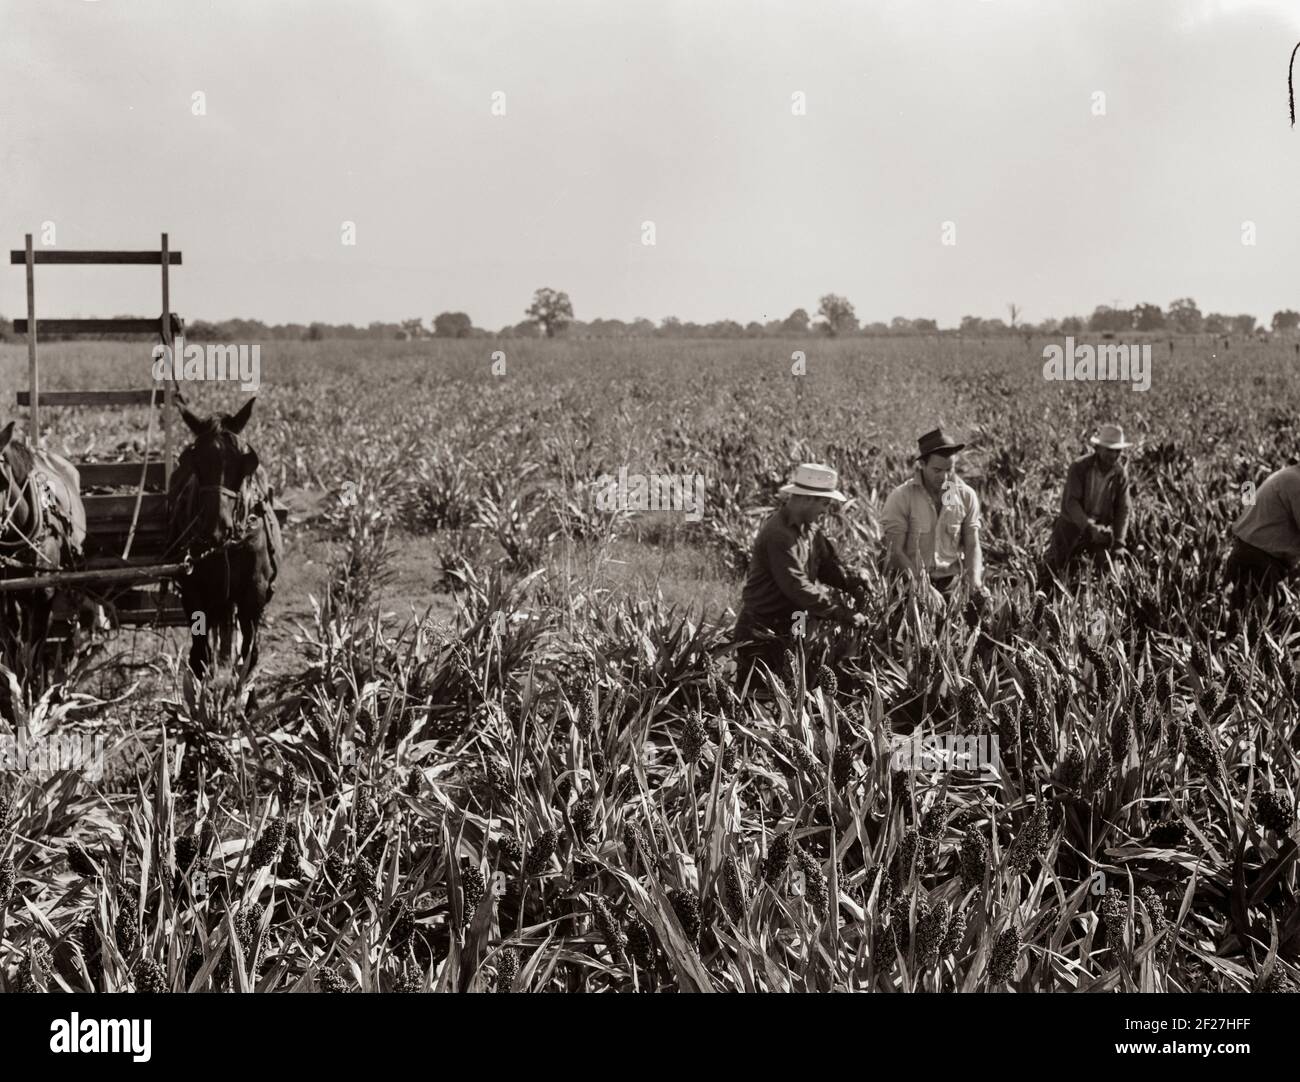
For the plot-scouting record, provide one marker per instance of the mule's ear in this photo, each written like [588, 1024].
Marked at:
[237, 422]
[6, 434]
[195, 425]
[251, 462]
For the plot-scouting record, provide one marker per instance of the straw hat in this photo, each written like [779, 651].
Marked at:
[814, 479]
[1111, 437]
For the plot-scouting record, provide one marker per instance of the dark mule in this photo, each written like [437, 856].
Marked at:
[222, 517]
[42, 528]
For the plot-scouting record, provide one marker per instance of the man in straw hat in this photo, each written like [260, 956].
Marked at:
[1265, 538]
[931, 524]
[1094, 504]
[793, 573]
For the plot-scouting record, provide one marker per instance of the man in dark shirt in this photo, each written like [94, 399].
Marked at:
[1094, 514]
[791, 575]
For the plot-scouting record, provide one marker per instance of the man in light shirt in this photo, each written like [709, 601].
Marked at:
[931, 524]
[1266, 538]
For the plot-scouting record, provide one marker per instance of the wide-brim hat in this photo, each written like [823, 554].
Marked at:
[1111, 437]
[937, 442]
[814, 479]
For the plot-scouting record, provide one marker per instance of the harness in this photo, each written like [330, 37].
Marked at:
[253, 508]
[48, 519]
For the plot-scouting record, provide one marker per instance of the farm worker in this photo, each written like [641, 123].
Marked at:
[931, 524]
[793, 573]
[1094, 504]
[1266, 538]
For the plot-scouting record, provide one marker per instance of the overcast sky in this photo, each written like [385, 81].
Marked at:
[976, 112]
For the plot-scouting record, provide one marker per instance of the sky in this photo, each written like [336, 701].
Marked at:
[979, 113]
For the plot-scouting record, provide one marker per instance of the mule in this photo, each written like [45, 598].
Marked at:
[42, 529]
[221, 516]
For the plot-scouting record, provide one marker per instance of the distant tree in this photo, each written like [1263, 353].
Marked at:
[753, 329]
[772, 327]
[1013, 310]
[641, 328]
[670, 327]
[525, 328]
[925, 326]
[1286, 320]
[550, 310]
[1105, 318]
[970, 324]
[900, 325]
[796, 322]
[1048, 326]
[1071, 325]
[837, 315]
[1183, 316]
[1148, 317]
[876, 328]
[1214, 323]
[452, 325]
[415, 328]
[316, 332]
[1243, 324]
[993, 326]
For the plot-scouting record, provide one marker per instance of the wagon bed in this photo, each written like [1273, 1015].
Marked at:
[127, 567]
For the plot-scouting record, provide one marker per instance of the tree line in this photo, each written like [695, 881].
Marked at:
[551, 315]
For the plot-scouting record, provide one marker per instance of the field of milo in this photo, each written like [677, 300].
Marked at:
[494, 741]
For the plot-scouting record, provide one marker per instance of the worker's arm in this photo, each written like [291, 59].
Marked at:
[793, 581]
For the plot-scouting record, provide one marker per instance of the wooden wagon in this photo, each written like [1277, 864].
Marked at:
[127, 567]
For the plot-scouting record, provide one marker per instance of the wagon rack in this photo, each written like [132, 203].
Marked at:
[127, 566]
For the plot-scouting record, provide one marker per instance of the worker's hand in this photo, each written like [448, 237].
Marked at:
[931, 597]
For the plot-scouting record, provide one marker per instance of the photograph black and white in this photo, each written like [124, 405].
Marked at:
[650, 497]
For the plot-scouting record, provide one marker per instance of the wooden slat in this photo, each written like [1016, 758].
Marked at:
[118, 473]
[97, 326]
[152, 259]
[117, 510]
[94, 398]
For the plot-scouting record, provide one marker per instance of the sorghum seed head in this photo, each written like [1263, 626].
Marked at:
[956, 933]
[695, 738]
[639, 944]
[583, 817]
[608, 927]
[150, 976]
[499, 780]
[686, 904]
[1276, 811]
[1114, 917]
[541, 851]
[8, 876]
[1072, 767]
[290, 866]
[827, 681]
[509, 848]
[1006, 952]
[587, 715]
[905, 856]
[1203, 751]
[267, 847]
[80, 861]
[973, 857]
[507, 968]
[842, 767]
[287, 786]
[1168, 834]
[363, 877]
[330, 981]
[125, 928]
[403, 926]
[1030, 842]
[931, 932]
[733, 889]
[815, 890]
[778, 856]
[472, 883]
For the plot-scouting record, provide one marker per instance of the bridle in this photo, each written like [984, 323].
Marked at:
[23, 541]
